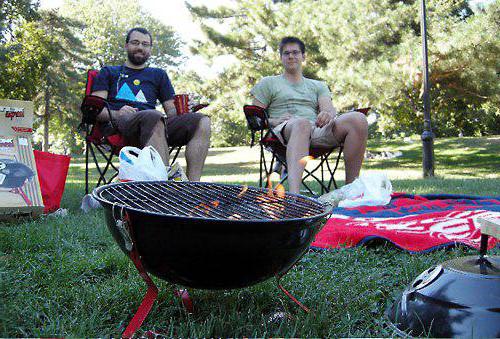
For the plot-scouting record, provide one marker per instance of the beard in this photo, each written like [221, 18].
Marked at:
[136, 59]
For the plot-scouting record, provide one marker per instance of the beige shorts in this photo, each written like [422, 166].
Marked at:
[320, 136]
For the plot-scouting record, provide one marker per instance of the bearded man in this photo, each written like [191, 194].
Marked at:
[133, 91]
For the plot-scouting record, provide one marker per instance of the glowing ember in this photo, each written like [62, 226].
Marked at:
[204, 208]
[305, 159]
[280, 191]
[243, 190]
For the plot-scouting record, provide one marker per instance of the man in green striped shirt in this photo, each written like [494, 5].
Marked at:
[302, 114]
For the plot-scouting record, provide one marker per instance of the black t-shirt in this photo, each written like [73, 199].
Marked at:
[139, 88]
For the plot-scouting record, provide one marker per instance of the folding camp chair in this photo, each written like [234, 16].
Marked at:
[104, 148]
[258, 123]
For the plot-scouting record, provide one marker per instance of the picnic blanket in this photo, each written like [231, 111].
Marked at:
[415, 223]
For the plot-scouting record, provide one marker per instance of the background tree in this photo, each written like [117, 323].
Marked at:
[43, 68]
[14, 13]
[369, 54]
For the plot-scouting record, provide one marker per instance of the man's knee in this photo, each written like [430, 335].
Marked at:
[152, 118]
[152, 114]
[353, 121]
[204, 125]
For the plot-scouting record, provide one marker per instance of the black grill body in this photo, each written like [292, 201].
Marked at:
[201, 247]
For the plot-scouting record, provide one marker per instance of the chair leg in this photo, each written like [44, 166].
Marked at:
[177, 151]
[323, 158]
[102, 171]
[311, 174]
[87, 145]
[332, 173]
[262, 160]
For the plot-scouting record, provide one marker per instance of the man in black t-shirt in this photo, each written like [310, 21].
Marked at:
[133, 90]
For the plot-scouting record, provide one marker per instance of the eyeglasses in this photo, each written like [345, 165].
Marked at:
[294, 53]
[137, 43]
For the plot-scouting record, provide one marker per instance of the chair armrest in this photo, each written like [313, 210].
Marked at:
[196, 108]
[257, 117]
[91, 106]
[363, 110]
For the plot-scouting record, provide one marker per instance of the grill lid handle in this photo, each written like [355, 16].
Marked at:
[489, 227]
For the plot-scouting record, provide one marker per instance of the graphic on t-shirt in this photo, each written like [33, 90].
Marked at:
[140, 97]
[125, 93]
[137, 82]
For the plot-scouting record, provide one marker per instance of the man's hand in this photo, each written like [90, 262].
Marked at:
[127, 110]
[324, 118]
[123, 111]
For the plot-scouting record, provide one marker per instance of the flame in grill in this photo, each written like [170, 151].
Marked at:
[305, 159]
[280, 191]
[272, 202]
[205, 208]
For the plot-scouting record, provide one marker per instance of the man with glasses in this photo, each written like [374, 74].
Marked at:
[133, 90]
[302, 114]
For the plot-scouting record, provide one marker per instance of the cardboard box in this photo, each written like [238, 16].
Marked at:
[20, 192]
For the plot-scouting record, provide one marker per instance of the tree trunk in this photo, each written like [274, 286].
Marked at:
[46, 118]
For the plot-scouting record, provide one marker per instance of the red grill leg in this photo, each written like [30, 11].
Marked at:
[289, 295]
[147, 301]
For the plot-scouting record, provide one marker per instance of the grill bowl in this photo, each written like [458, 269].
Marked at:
[212, 236]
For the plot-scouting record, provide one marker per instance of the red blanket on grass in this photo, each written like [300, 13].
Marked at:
[411, 222]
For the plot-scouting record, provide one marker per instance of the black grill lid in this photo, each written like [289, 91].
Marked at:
[209, 201]
[459, 298]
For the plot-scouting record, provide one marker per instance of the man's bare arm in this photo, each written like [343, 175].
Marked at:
[327, 111]
[272, 121]
[258, 103]
[169, 107]
[104, 115]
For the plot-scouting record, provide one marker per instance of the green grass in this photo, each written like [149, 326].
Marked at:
[66, 276]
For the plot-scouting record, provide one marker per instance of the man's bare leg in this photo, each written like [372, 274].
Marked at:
[352, 129]
[159, 141]
[298, 134]
[197, 150]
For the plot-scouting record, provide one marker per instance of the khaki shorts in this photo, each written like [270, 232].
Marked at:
[320, 136]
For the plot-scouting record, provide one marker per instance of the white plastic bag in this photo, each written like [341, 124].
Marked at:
[371, 189]
[176, 173]
[141, 165]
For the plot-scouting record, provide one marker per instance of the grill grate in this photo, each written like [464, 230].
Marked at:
[206, 200]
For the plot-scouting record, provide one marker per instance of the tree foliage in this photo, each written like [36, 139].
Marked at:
[14, 13]
[43, 68]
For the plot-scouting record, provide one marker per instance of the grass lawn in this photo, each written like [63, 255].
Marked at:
[65, 276]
